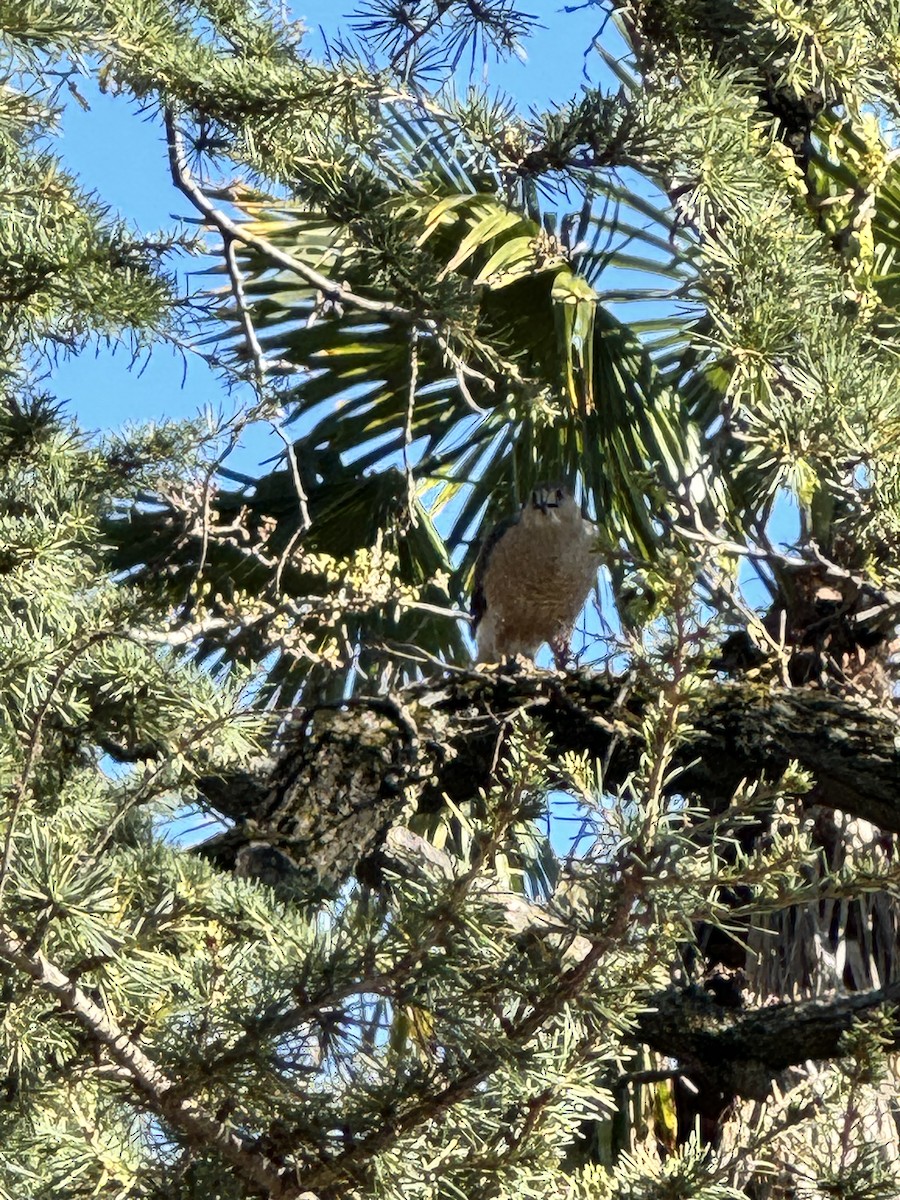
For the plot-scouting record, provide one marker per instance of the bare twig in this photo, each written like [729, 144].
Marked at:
[260, 365]
[408, 423]
[768, 554]
[184, 634]
[462, 371]
[412, 653]
[302, 504]
[338, 293]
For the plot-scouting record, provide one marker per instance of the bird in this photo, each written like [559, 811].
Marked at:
[533, 576]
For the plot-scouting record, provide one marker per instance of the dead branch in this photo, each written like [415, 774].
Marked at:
[232, 231]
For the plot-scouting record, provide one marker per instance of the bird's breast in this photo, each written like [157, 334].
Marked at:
[539, 576]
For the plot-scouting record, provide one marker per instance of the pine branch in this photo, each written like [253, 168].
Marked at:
[191, 1120]
[737, 1050]
[408, 854]
[569, 984]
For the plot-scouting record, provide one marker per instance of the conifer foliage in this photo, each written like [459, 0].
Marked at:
[628, 930]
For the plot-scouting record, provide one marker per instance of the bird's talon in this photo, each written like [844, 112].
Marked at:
[516, 664]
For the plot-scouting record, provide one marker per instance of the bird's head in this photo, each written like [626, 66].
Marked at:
[551, 497]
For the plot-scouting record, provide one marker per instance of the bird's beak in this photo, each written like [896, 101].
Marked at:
[542, 498]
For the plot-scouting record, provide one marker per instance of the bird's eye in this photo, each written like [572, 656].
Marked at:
[559, 493]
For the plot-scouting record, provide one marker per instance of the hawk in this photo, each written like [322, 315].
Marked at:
[533, 576]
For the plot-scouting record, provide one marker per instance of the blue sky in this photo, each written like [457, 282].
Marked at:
[118, 152]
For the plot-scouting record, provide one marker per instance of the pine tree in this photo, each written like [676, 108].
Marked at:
[388, 971]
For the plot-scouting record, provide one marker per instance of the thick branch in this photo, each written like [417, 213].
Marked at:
[739, 1051]
[330, 800]
[350, 770]
[740, 731]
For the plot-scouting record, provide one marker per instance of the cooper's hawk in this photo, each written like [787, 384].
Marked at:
[533, 576]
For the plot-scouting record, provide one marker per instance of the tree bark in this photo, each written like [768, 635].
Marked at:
[347, 772]
[737, 1051]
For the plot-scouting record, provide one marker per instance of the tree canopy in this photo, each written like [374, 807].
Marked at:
[623, 930]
